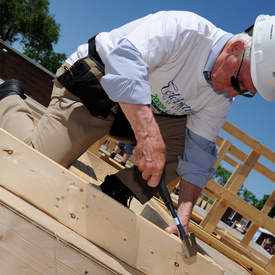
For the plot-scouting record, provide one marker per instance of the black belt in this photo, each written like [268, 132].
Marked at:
[92, 51]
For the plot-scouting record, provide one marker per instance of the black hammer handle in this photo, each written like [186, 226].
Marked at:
[164, 193]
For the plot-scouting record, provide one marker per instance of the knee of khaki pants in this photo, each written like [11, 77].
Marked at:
[16, 118]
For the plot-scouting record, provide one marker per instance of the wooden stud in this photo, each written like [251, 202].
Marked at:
[34, 243]
[225, 146]
[92, 214]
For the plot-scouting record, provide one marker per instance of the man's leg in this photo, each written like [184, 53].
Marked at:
[15, 115]
[64, 132]
[127, 154]
[67, 129]
[117, 149]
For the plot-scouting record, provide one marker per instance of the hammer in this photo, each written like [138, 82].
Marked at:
[188, 241]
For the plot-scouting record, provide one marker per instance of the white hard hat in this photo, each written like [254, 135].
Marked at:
[263, 56]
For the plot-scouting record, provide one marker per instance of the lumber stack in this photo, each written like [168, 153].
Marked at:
[85, 213]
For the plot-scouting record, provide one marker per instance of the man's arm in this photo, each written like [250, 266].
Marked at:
[195, 169]
[149, 153]
[188, 196]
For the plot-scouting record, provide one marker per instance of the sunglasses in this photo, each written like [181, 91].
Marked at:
[236, 85]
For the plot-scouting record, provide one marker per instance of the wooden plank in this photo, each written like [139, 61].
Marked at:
[210, 213]
[217, 213]
[224, 147]
[244, 172]
[233, 176]
[241, 206]
[230, 161]
[238, 179]
[249, 234]
[210, 217]
[253, 228]
[95, 147]
[271, 266]
[100, 167]
[92, 214]
[217, 244]
[112, 162]
[224, 249]
[237, 153]
[34, 243]
[249, 141]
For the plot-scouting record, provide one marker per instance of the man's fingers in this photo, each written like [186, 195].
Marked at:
[154, 180]
[146, 175]
[172, 230]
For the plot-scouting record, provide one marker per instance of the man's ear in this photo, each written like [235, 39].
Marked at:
[236, 47]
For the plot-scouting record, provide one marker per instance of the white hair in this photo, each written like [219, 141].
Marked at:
[247, 43]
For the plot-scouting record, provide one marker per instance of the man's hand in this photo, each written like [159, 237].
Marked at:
[188, 196]
[149, 153]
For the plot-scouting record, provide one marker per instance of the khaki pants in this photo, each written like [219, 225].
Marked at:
[67, 130]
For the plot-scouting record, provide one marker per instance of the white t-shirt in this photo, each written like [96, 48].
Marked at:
[175, 46]
[160, 60]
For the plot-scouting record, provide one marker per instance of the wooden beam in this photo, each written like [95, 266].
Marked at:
[244, 172]
[240, 155]
[253, 228]
[100, 167]
[224, 147]
[96, 146]
[34, 243]
[271, 266]
[92, 214]
[210, 218]
[249, 141]
[238, 179]
[241, 206]
[217, 244]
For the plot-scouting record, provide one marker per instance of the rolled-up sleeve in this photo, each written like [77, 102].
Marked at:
[200, 155]
[125, 78]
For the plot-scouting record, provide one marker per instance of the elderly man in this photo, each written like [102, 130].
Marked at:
[268, 246]
[173, 74]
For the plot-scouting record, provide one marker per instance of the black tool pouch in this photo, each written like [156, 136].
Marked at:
[121, 126]
[83, 80]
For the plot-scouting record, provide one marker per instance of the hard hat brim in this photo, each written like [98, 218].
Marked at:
[261, 66]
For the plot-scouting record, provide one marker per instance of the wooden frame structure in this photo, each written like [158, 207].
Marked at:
[84, 209]
[34, 197]
[204, 228]
[226, 197]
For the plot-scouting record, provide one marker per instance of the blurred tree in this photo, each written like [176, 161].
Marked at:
[221, 175]
[249, 197]
[261, 203]
[29, 23]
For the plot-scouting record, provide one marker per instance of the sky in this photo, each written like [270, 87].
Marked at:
[82, 19]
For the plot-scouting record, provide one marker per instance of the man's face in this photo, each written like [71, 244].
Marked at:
[228, 66]
[267, 245]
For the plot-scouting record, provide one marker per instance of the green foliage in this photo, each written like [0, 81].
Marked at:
[29, 23]
[262, 202]
[221, 175]
[48, 59]
[249, 197]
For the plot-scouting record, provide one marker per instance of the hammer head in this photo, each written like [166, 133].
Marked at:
[189, 245]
